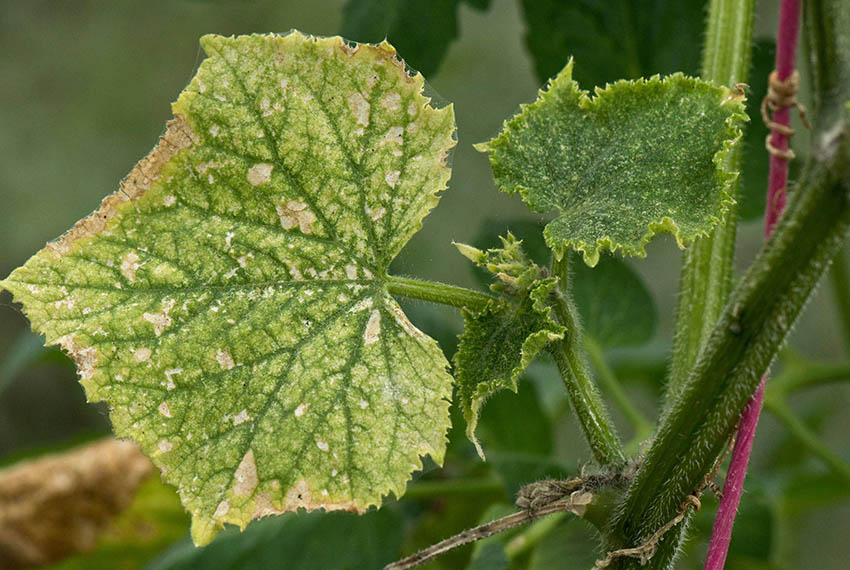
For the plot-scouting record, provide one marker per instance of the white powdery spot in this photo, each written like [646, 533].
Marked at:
[129, 265]
[246, 475]
[284, 83]
[165, 410]
[405, 323]
[392, 178]
[411, 109]
[224, 359]
[85, 358]
[160, 321]
[169, 200]
[243, 260]
[373, 328]
[215, 130]
[395, 135]
[360, 107]
[142, 354]
[241, 418]
[323, 445]
[165, 446]
[222, 509]
[266, 107]
[391, 101]
[301, 409]
[294, 213]
[351, 271]
[364, 404]
[375, 214]
[227, 237]
[362, 305]
[169, 377]
[260, 173]
[66, 302]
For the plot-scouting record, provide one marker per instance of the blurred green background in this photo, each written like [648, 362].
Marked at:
[85, 88]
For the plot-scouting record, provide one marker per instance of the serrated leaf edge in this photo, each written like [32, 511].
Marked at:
[531, 347]
[590, 251]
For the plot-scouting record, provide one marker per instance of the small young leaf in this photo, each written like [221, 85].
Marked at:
[499, 342]
[229, 302]
[639, 158]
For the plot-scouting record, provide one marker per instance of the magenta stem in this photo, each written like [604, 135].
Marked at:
[721, 534]
[786, 51]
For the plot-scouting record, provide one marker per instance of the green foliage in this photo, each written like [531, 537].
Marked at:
[613, 302]
[615, 307]
[614, 39]
[234, 309]
[347, 542]
[519, 438]
[617, 168]
[230, 304]
[422, 30]
[500, 341]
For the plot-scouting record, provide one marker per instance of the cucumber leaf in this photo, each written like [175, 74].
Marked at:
[229, 302]
[638, 158]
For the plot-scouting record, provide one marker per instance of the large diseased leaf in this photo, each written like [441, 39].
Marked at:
[639, 158]
[229, 302]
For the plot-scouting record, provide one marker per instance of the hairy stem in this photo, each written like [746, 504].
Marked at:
[590, 410]
[438, 293]
[706, 277]
[752, 327]
[721, 534]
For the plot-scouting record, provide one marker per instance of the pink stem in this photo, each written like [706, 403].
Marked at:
[721, 534]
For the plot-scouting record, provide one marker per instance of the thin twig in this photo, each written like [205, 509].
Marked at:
[477, 533]
[537, 500]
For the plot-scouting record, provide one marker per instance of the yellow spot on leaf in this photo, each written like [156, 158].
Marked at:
[246, 475]
[260, 173]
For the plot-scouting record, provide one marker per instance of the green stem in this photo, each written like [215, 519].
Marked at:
[755, 323]
[807, 437]
[839, 278]
[706, 277]
[610, 384]
[585, 398]
[438, 293]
